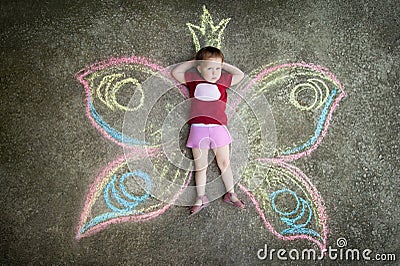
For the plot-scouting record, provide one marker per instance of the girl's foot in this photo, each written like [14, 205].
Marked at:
[231, 198]
[201, 202]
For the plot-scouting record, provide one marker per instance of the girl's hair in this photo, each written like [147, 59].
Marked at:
[208, 52]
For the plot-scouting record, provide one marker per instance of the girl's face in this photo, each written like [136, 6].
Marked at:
[210, 69]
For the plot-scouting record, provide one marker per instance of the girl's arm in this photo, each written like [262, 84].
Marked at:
[237, 74]
[179, 72]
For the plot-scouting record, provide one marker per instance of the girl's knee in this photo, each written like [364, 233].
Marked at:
[223, 164]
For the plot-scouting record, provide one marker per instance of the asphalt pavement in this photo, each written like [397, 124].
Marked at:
[52, 151]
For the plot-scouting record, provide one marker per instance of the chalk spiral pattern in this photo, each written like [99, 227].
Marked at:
[318, 88]
[127, 200]
[292, 218]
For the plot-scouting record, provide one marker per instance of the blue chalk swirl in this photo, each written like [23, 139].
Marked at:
[127, 200]
[116, 195]
[291, 218]
[117, 135]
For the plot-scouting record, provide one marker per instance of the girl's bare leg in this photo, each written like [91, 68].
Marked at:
[223, 161]
[200, 165]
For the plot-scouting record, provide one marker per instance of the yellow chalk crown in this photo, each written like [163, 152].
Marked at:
[207, 34]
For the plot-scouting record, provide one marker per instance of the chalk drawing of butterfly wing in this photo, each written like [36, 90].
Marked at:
[302, 98]
[119, 91]
[289, 205]
[109, 87]
[122, 193]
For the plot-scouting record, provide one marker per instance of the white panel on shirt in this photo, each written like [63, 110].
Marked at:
[205, 125]
[207, 92]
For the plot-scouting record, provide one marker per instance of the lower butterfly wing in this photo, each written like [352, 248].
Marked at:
[128, 190]
[289, 205]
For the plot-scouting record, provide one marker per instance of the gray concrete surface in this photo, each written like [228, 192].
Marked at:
[50, 153]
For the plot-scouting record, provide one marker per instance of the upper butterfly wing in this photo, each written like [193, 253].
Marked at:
[302, 98]
[114, 88]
